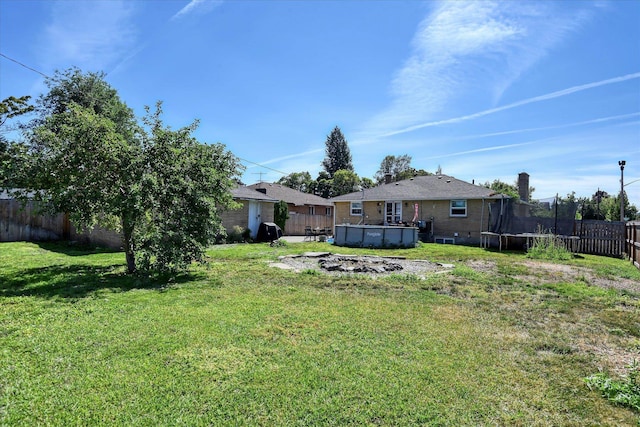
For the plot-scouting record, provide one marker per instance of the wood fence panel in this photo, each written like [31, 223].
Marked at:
[633, 242]
[601, 237]
[23, 224]
[297, 222]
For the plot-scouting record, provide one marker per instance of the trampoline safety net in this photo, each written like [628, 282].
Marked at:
[557, 216]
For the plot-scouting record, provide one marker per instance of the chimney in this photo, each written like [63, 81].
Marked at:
[523, 186]
[387, 178]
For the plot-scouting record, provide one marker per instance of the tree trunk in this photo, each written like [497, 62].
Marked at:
[131, 262]
[127, 231]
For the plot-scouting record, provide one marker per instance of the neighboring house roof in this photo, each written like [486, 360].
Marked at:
[289, 195]
[431, 187]
[242, 192]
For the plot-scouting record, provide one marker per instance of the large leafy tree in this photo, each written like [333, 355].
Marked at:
[610, 208]
[399, 167]
[12, 107]
[593, 207]
[344, 182]
[89, 157]
[337, 154]
[322, 185]
[510, 190]
[300, 181]
[11, 172]
[501, 187]
[184, 185]
[367, 182]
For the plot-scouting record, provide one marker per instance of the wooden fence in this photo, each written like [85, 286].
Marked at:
[297, 222]
[25, 224]
[633, 242]
[601, 237]
[18, 224]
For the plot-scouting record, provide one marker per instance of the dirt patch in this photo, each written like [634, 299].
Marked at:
[562, 272]
[335, 264]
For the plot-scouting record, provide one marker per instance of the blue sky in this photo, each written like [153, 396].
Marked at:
[483, 89]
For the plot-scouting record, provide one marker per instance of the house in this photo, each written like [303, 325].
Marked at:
[256, 208]
[445, 209]
[304, 209]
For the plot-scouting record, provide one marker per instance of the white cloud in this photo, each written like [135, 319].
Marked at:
[196, 6]
[88, 34]
[484, 46]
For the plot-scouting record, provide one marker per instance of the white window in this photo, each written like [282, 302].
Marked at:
[312, 210]
[356, 208]
[327, 212]
[458, 208]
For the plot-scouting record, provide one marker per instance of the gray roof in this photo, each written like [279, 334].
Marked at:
[242, 192]
[289, 195]
[432, 187]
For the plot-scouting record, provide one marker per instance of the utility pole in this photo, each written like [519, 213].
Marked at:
[621, 163]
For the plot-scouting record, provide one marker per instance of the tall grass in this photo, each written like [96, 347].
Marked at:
[548, 246]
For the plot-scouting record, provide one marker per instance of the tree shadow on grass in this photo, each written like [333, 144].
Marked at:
[76, 249]
[79, 281]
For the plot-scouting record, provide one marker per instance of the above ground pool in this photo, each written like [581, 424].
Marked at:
[375, 236]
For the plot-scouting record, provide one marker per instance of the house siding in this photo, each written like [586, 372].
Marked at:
[240, 217]
[437, 211]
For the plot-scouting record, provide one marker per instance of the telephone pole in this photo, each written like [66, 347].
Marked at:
[621, 163]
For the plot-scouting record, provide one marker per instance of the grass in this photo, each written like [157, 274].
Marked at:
[625, 392]
[496, 341]
[548, 247]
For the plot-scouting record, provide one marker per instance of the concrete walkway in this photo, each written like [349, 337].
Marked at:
[298, 239]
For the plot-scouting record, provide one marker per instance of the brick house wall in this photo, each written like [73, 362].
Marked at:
[240, 217]
[468, 227]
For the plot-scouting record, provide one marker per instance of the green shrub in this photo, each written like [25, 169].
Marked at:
[239, 235]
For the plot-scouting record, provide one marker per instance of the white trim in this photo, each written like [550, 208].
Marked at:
[459, 208]
[396, 211]
[353, 211]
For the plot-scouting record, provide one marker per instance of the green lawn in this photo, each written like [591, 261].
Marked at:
[499, 340]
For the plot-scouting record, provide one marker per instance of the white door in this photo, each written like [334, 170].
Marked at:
[255, 210]
[393, 212]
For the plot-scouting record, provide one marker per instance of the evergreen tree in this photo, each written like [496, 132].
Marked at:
[338, 156]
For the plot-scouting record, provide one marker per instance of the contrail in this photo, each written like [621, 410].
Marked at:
[546, 97]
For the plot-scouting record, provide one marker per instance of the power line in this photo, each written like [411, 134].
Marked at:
[46, 76]
[23, 65]
[263, 166]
